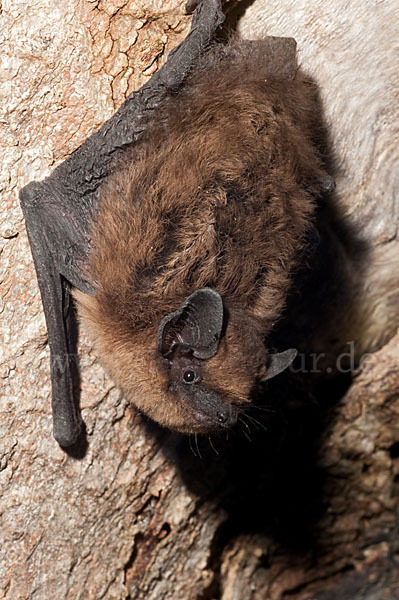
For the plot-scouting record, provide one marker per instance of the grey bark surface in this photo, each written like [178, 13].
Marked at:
[140, 514]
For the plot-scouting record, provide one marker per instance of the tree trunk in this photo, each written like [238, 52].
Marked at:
[305, 510]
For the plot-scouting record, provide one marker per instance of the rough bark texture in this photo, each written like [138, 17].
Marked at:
[305, 511]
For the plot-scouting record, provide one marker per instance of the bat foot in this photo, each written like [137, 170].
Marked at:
[76, 444]
[67, 436]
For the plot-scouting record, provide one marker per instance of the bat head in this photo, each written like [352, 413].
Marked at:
[212, 362]
[187, 338]
[196, 370]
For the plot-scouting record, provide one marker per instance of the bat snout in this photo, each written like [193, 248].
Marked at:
[212, 413]
[220, 420]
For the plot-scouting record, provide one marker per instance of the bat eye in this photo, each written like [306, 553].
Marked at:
[189, 376]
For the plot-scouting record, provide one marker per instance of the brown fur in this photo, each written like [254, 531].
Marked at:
[221, 195]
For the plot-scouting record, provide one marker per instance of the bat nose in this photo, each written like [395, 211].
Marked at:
[221, 417]
[227, 417]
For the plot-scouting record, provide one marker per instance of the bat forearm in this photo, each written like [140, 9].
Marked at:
[91, 162]
[66, 418]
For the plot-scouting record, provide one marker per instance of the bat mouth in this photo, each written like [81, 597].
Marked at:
[208, 411]
[223, 418]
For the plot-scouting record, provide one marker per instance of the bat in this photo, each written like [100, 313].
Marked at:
[177, 227]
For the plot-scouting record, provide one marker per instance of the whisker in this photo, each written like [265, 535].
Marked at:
[211, 445]
[255, 407]
[190, 440]
[264, 408]
[196, 443]
[243, 430]
[241, 418]
[256, 423]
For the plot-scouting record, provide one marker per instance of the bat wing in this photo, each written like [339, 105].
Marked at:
[58, 210]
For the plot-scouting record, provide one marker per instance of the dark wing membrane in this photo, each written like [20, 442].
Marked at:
[58, 211]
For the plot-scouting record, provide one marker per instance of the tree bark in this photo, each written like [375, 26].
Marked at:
[306, 510]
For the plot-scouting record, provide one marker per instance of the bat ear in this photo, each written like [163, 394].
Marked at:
[196, 326]
[279, 362]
